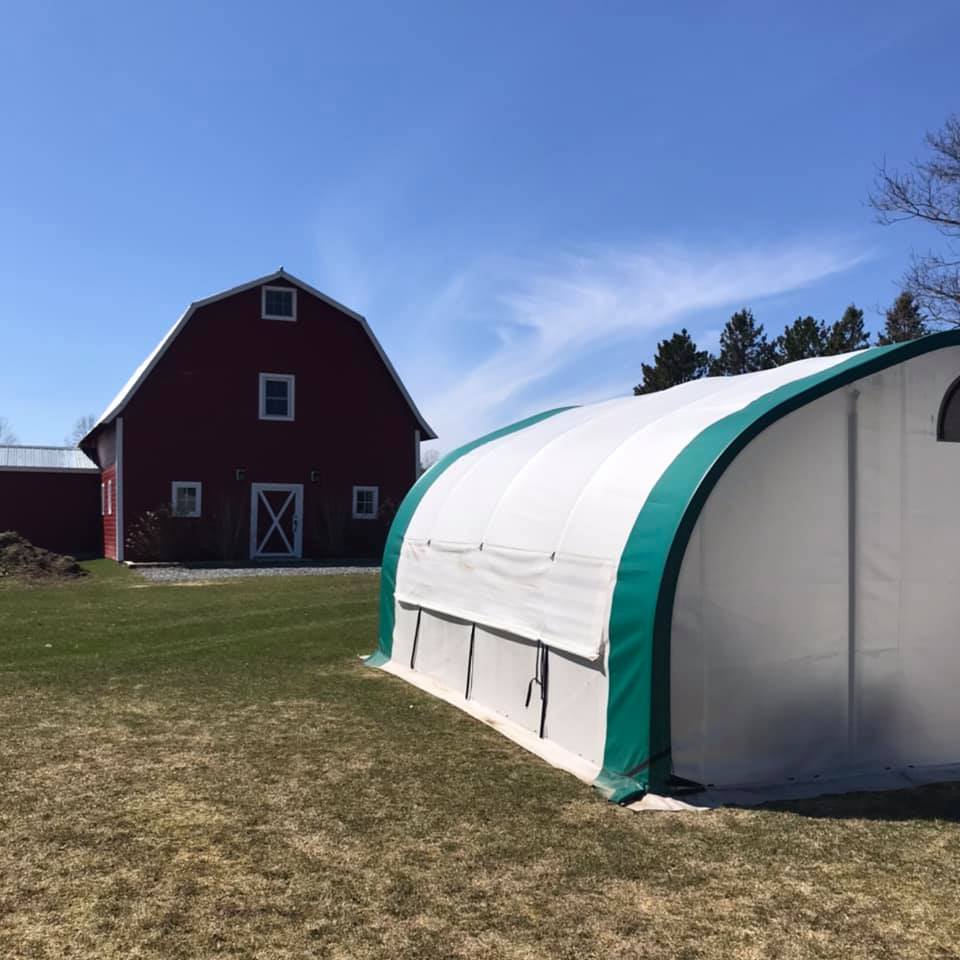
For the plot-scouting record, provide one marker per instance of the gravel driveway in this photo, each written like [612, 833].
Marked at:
[188, 574]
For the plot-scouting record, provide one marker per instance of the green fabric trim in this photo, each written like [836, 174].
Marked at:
[638, 706]
[398, 529]
[618, 789]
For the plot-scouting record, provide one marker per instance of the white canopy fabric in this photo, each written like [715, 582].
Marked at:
[525, 533]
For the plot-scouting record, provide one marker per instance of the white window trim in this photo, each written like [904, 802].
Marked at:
[291, 380]
[273, 316]
[173, 498]
[103, 498]
[117, 505]
[376, 503]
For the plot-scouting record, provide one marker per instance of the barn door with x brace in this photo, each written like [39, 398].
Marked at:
[276, 518]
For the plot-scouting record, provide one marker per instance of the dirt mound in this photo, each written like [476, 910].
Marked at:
[21, 560]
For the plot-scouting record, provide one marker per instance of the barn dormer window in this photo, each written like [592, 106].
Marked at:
[279, 303]
[948, 424]
[276, 396]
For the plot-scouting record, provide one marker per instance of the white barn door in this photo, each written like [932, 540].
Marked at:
[276, 521]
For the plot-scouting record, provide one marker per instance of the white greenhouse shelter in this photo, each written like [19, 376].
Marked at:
[737, 582]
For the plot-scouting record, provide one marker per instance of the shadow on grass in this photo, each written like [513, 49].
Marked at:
[935, 801]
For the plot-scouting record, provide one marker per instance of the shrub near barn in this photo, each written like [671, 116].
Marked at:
[159, 536]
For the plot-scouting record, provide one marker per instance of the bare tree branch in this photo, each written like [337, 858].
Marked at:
[428, 459]
[7, 436]
[81, 427]
[929, 192]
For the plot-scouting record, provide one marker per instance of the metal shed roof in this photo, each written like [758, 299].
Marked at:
[57, 459]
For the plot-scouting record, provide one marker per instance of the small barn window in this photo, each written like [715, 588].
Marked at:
[948, 424]
[185, 498]
[106, 498]
[276, 396]
[366, 503]
[279, 303]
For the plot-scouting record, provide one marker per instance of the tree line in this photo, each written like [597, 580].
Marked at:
[928, 193]
[745, 347]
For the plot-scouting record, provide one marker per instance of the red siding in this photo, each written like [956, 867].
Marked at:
[196, 418]
[109, 519]
[57, 511]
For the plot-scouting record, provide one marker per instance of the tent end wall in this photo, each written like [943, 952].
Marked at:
[639, 721]
[833, 695]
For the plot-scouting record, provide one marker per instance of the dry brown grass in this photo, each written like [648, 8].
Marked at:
[267, 796]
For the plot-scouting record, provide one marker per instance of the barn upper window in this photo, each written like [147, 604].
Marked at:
[185, 498]
[279, 303]
[366, 503]
[948, 425]
[276, 396]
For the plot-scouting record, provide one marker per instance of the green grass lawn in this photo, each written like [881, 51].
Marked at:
[208, 771]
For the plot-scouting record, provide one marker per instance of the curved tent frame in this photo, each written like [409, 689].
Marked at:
[637, 755]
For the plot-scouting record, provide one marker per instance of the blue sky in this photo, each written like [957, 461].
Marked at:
[521, 197]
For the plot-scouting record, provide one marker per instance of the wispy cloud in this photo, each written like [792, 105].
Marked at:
[532, 321]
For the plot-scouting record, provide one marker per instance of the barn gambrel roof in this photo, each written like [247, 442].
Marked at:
[116, 406]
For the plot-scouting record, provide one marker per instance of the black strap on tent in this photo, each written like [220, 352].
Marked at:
[535, 679]
[469, 687]
[541, 673]
[544, 686]
[633, 771]
[416, 637]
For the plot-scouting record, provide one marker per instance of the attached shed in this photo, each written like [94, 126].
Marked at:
[740, 581]
[51, 496]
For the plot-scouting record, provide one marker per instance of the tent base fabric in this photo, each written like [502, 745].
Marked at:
[555, 755]
[685, 801]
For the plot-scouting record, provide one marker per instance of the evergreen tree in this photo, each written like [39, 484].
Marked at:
[903, 322]
[744, 347]
[848, 333]
[677, 361]
[803, 338]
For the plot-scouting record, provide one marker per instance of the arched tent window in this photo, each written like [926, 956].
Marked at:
[948, 424]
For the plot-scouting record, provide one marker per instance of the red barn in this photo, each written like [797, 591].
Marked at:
[267, 424]
[50, 495]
